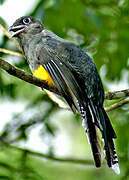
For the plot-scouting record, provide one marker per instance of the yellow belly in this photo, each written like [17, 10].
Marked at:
[41, 73]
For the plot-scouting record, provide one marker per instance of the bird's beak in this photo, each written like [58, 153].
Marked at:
[16, 30]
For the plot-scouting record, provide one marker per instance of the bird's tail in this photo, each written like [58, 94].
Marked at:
[92, 135]
[109, 147]
[95, 116]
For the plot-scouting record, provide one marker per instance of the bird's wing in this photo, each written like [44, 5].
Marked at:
[62, 76]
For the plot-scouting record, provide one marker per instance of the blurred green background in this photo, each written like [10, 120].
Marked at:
[101, 28]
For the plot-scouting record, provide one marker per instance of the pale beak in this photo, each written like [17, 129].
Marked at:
[16, 30]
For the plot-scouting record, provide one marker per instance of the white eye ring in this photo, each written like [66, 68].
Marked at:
[26, 20]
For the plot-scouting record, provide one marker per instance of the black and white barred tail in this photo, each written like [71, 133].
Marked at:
[92, 136]
[93, 117]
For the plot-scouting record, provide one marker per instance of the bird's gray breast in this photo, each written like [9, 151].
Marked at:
[31, 47]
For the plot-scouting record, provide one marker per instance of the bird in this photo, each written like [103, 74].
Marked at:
[64, 65]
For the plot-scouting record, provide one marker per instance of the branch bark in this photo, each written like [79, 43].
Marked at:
[12, 70]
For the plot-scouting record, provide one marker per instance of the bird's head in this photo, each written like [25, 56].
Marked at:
[26, 25]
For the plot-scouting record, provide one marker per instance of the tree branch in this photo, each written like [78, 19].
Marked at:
[117, 94]
[12, 70]
[117, 105]
[54, 158]
[11, 52]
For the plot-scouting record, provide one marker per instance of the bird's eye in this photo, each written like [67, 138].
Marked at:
[26, 20]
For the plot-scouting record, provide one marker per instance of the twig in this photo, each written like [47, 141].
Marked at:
[10, 52]
[117, 105]
[25, 76]
[117, 94]
[47, 156]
